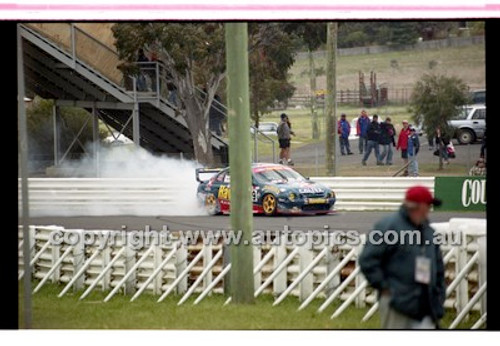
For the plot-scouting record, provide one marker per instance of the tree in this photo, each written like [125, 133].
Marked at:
[312, 35]
[435, 100]
[271, 54]
[403, 33]
[194, 56]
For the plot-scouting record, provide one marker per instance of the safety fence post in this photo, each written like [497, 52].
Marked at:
[207, 258]
[129, 262]
[481, 241]
[279, 282]
[181, 262]
[332, 260]
[105, 259]
[257, 254]
[305, 259]
[360, 280]
[78, 259]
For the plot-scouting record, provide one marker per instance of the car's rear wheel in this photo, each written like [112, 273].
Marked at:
[211, 204]
[269, 204]
[465, 136]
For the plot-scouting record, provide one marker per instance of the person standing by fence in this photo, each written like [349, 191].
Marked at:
[361, 130]
[284, 135]
[344, 130]
[408, 275]
[373, 137]
[142, 61]
[403, 143]
[387, 133]
[413, 148]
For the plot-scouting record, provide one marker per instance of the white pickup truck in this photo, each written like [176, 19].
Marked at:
[470, 124]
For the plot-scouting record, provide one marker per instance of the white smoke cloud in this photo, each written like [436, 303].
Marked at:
[126, 161]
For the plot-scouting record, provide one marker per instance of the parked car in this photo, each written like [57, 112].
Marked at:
[269, 129]
[478, 96]
[276, 189]
[470, 124]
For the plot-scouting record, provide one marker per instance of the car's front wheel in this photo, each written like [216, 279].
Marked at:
[465, 136]
[269, 204]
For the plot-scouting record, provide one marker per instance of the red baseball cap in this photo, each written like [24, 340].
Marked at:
[421, 194]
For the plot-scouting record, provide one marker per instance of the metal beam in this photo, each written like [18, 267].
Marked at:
[23, 145]
[96, 104]
[95, 140]
[135, 125]
[76, 139]
[57, 134]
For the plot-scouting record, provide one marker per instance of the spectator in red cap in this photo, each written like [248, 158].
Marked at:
[407, 271]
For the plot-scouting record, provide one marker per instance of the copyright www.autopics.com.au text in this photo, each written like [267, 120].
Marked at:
[138, 239]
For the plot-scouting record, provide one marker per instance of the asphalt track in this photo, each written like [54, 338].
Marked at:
[352, 220]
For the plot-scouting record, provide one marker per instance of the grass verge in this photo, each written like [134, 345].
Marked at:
[50, 312]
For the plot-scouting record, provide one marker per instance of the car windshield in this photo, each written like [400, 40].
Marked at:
[277, 175]
[462, 114]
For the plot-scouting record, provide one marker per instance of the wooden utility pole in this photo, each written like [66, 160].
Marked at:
[312, 83]
[242, 281]
[331, 100]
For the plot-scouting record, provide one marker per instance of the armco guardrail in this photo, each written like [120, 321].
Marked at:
[371, 193]
[296, 266]
[125, 196]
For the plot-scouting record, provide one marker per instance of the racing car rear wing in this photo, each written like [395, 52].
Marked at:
[204, 174]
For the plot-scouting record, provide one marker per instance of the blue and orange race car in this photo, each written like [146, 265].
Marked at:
[276, 189]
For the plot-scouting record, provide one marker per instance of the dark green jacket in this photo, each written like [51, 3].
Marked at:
[392, 267]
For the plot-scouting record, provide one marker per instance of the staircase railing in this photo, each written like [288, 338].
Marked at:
[81, 45]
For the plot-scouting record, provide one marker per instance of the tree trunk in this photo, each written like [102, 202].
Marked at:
[256, 117]
[331, 100]
[312, 80]
[197, 119]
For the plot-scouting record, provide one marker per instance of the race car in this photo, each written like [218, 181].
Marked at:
[276, 189]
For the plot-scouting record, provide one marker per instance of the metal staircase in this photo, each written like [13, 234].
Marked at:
[64, 63]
